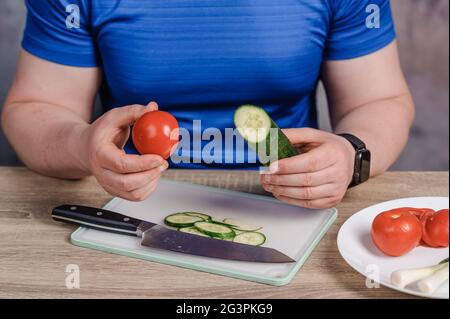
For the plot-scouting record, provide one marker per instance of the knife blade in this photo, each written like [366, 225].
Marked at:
[159, 237]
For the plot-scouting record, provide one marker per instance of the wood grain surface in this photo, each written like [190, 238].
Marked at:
[35, 250]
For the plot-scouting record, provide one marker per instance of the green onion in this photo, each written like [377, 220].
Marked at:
[431, 283]
[402, 278]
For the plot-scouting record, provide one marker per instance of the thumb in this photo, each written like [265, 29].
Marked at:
[304, 135]
[126, 115]
[153, 106]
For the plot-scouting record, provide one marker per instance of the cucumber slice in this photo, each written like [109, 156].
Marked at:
[238, 225]
[250, 238]
[215, 230]
[219, 222]
[192, 230]
[261, 133]
[203, 216]
[181, 220]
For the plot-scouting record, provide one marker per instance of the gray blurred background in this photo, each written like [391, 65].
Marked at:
[423, 34]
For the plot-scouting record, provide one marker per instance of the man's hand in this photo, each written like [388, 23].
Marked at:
[319, 177]
[132, 177]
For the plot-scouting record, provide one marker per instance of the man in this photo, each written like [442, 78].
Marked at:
[199, 60]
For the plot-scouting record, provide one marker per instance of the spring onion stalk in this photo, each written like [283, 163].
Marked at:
[402, 278]
[431, 283]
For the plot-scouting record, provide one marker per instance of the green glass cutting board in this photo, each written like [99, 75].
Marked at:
[292, 230]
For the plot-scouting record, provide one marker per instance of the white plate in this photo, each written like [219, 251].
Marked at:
[356, 247]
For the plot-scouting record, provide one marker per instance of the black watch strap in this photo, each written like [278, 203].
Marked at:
[356, 142]
[362, 159]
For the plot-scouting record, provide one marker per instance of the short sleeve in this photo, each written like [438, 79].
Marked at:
[358, 28]
[59, 31]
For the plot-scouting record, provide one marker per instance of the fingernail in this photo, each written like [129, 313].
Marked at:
[269, 188]
[162, 168]
[267, 178]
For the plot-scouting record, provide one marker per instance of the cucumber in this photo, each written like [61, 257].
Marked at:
[181, 220]
[203, 216]
[192, 230]
[215, 230]
[262, 133]
[238, 225]
[219, 222]
[250, 238]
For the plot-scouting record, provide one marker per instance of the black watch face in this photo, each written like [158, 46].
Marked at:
[364, 172]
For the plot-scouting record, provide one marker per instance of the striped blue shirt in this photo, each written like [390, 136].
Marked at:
[200, 59]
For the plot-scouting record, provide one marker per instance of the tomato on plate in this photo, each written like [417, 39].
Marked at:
[435, 228]
[396, 232]
[419, 212]
[423, 218]
[156, 132]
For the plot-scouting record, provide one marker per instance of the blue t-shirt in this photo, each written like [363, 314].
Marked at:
[200, 59]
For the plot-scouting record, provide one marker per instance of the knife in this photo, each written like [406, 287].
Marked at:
[157, 236]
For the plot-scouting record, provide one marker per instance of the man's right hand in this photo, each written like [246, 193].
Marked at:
[129, 176]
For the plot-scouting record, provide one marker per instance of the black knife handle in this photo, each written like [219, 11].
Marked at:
[96, 218]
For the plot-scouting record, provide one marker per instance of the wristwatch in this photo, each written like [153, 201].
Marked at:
[361, 171]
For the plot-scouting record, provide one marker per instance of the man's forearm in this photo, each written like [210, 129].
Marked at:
[47, 138]
[384, 127]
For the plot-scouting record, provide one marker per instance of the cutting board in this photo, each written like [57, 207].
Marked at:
[292, 230]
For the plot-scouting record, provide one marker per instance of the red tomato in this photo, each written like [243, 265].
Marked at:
[419, 212]
[426, 241]
[156, 132]
[396, 232]
[435, 228]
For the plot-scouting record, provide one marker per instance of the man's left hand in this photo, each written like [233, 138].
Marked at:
[318, 177]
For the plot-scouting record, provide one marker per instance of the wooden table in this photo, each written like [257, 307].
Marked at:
[35, 250]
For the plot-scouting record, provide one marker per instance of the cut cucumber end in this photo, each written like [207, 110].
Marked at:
[262, 134]
[253, 123]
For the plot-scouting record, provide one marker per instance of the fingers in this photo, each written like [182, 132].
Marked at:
[317, 178]
[305, 135]
[313, 161]
[303, 179]
[116, 160]
[127, 115]
[321, 203]
[304, 193]
[136, 195]
[152, 106]
[129, 176]
[129, 182]
[144, 192]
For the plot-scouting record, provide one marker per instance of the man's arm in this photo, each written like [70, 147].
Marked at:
[46, 119]
[369, 98]
[48, 107]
